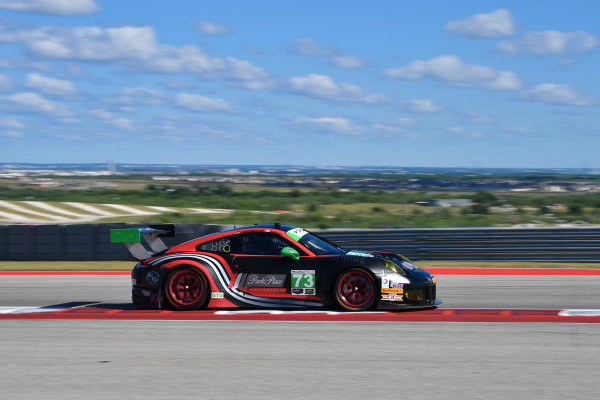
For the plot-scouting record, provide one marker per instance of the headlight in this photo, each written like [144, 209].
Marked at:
[394, 267]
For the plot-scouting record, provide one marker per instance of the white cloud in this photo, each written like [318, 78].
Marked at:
[33, 102]
[335, 124]
[495, 24]
[311, 48]
[549, 43]
[557, 94]
[201, 103]
[461, 131]
[5, 83]
[13, 133]
[322, 86]
[103, 114]
[387, 129]
[137, 96]
[423, 106]
[479, 119]
[132, 45]
[454, 71]
[406, 122]
[11, 123]
[210, 28]
[51, 7]
[347, 61]
[49, 86]
[122, 123]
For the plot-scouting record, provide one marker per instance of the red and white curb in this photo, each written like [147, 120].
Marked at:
[92, 312]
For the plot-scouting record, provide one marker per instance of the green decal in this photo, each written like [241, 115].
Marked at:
[125, 235]
[303, 282]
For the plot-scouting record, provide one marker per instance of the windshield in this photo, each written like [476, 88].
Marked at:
[320, 247]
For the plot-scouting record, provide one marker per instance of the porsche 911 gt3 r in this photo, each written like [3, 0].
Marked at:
[273, 266]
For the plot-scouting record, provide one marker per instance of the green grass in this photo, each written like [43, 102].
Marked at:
[128, 265]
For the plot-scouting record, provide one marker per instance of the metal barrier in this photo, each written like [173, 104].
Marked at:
[91, 242]
[477, 244]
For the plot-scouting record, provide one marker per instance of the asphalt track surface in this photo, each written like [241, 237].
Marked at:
[74, 359]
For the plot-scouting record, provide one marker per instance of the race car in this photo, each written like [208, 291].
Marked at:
[273, 266]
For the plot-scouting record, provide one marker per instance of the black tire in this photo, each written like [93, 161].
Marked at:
[355, 290]
[186, 288]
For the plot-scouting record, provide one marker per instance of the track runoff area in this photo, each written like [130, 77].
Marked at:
[100, 311]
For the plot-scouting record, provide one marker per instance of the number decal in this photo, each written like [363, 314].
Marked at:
[303, 282]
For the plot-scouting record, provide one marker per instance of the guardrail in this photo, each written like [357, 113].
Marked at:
[91, 242]
[477, 244]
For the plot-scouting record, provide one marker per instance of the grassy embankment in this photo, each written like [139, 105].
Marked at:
[326, 208]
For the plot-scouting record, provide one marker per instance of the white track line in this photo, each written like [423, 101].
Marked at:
[207, 211]
[13, 217]
[162, 209]
[89, 208]
[18, 208]
[49, 207]
[129, 210]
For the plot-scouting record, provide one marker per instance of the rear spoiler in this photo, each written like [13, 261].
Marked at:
[132, 238]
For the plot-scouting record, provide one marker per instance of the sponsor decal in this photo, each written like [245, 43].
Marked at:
[385, 296]
[392, 290]
[392, 296]
[392, 287]
[217, 295]
[153, 277]
[408, 265]
[385, 283]
[296, 233]
[133, 282]
[264, 280]
[433, 279]
[303, 282]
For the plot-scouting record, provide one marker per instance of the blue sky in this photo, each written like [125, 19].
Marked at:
[399, 83]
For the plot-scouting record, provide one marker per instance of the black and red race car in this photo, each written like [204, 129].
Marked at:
[273, 266]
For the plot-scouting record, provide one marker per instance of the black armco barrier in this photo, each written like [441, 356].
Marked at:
[91, 242]
[477, 244]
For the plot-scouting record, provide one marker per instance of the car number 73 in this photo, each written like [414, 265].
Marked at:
[300, 280]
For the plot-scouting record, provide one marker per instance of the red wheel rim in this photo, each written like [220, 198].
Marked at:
[186, 287]
[355, 289]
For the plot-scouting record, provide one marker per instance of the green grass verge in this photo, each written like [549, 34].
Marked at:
[128, 265]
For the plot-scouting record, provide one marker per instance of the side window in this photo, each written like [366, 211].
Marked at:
[222, 245]
[262, 243]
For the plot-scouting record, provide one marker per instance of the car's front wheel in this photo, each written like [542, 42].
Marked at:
[355, 290]
[186, 288]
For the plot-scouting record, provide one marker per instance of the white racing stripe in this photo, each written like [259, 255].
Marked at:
[224, 279]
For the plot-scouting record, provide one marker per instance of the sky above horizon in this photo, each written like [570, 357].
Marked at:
[398, 83]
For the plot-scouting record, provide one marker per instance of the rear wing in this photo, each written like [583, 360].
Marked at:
[132, 238]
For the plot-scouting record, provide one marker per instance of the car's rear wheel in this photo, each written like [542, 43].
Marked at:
[186, 288]
[355, 290]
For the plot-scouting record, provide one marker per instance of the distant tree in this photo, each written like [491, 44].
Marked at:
[544, 210]
[575, 209]
[483, 197]
[479, 209]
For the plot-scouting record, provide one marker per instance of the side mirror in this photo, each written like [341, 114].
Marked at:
[290, 253]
